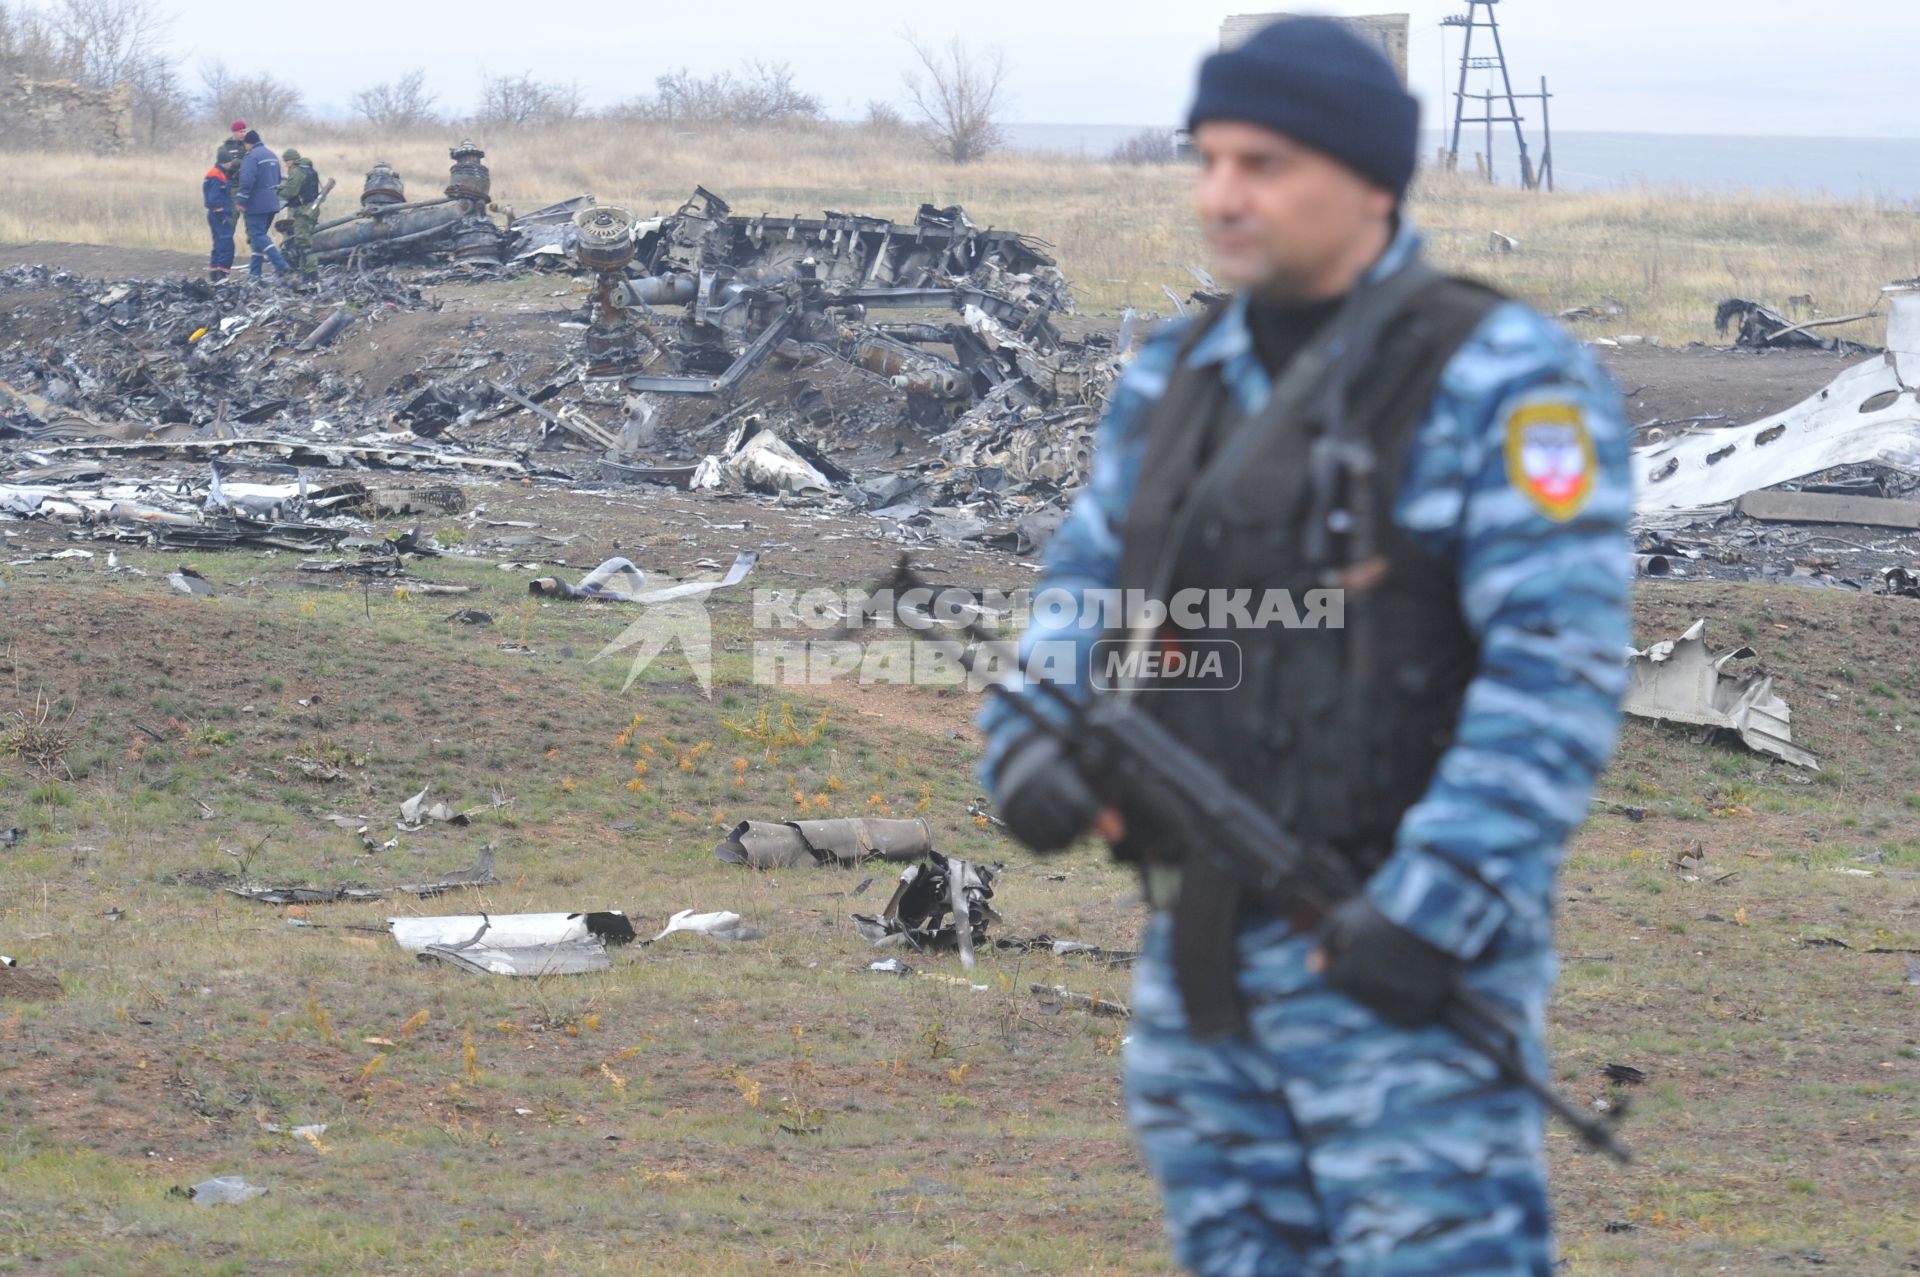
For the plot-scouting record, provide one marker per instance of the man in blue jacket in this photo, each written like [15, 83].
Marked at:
[257, 196]
[1452, 469]
[216, 192]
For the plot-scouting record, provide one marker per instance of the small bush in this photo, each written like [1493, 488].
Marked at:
[1148, 146]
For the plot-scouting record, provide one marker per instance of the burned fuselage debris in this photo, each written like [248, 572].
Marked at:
[938, 904]
[387, 227]
[786, 311]
[916, 369]
[753, 288]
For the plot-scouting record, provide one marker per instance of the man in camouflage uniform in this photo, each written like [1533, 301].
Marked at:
[234, 149]
[300, 194]
[1457, 467]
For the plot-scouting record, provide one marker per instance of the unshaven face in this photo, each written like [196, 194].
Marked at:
[1285, 221]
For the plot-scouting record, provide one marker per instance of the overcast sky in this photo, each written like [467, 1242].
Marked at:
[1838, 68]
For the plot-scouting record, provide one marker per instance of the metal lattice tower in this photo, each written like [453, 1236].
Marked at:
[1481, 15]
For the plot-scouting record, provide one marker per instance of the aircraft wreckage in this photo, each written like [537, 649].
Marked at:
[916, 369]
[751, 288]
[1770, 499]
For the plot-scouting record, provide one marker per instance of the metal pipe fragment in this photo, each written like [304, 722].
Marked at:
[329, 328]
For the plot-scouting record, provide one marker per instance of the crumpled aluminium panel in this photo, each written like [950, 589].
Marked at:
[516, 944]
[1675, 680]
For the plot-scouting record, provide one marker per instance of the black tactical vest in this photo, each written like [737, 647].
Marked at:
[1337, 731]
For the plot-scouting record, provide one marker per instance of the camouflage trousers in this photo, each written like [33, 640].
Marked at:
[1329, 1142]
[299, 240]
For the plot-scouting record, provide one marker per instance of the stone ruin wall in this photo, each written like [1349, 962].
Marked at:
[61, 115]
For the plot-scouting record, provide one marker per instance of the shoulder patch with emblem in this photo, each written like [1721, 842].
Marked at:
[1550, 457]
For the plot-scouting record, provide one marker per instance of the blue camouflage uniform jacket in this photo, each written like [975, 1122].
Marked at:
[1518, 477]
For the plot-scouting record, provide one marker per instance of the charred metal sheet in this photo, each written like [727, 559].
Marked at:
[765, 844]
[929, 903]
[1060, 995]
[296, 452]
[1066, 949]
[481, 875]
[1759, 327]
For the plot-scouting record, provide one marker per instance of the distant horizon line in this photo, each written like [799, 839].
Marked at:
[1568, 132]
[331, 113]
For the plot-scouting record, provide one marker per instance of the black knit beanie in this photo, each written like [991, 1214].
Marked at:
[1323, 86]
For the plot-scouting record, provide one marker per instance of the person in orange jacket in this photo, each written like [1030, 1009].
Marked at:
[216, 192]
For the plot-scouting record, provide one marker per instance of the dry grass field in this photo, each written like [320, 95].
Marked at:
[1743, 933]
[770, 1105]
[1122, 233]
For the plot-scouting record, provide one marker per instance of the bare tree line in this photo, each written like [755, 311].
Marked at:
[956, 94]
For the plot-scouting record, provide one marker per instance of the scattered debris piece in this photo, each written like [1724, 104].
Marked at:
[1900, 582]
[506, 930]
[187, 581]
[1625, 1074]
[720, 925]
[330, 327]
[615, 581]
[766, 844]
[519, 944]
[481, 875]
[1676, 681]
[11, 837]
[1067, 948]
[1820, 507]
[315, 769]
[221, 1190]
[1764, 328]
[1605, 308]
[890, 966]
[929, 902]
[415, 813]
[1060, 995]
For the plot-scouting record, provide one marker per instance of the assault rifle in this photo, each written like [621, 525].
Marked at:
[1133, 762]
